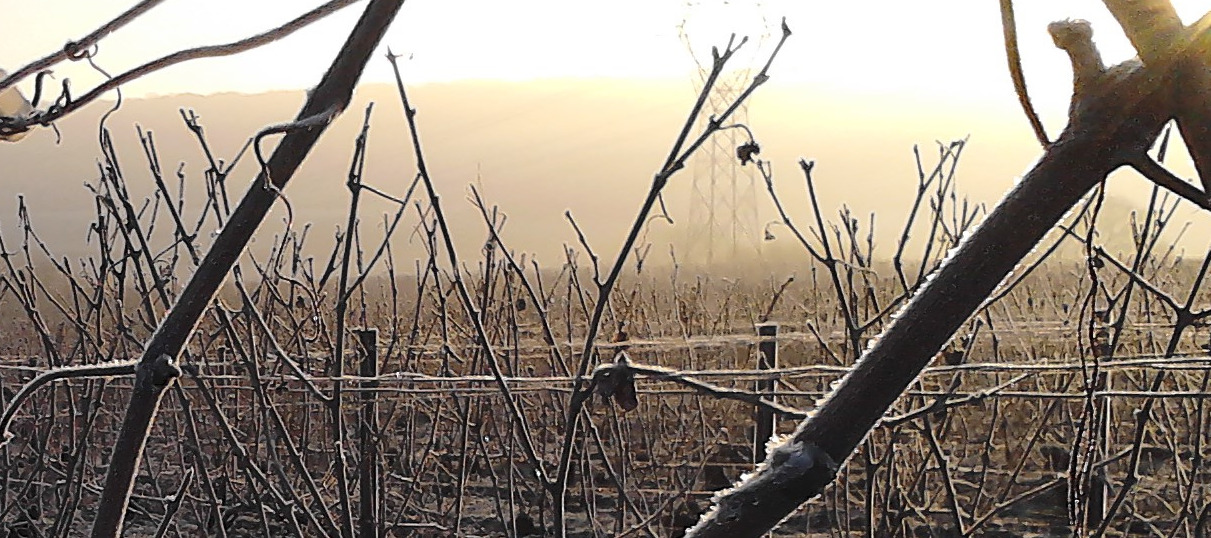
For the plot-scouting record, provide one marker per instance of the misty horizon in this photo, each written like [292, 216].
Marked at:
[537, 149]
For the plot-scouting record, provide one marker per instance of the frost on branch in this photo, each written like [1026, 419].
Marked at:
[792, 468]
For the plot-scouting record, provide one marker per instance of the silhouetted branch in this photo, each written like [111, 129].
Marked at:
[156, 369]
[75, 50]
[1014, 57]
[10, 126]
[1157, 33]
[677, 157]
[1116, 122]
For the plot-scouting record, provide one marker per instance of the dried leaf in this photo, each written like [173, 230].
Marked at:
[745, 152]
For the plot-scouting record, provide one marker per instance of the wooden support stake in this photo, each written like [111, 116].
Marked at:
[766, 422]
[368, 468]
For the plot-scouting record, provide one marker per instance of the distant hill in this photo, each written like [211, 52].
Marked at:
[535, 148]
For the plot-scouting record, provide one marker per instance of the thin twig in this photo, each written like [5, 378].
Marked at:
[1014, 57]
[10, 126]
[74, 50]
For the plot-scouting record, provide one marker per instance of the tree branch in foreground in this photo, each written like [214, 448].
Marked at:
[157, 369]
[1114, 122]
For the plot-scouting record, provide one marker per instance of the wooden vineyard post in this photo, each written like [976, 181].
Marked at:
[767, 360]
[1099, 493]
[368, 468]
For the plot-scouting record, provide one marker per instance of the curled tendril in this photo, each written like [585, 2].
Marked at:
[75, 53]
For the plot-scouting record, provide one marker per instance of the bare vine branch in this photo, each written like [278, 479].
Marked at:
[10, 126]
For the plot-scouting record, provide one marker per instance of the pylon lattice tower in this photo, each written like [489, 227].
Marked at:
[723, 224]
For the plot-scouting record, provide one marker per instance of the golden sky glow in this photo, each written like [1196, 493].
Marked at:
[856, 86]
[950, 49]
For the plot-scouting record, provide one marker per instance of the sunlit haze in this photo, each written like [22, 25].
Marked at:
[948, 48]
[570, 268]
[856, 86]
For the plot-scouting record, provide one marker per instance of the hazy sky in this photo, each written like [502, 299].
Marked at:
[856, 86]
[946, 49]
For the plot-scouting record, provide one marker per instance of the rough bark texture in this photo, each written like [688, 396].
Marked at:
[1157, 33]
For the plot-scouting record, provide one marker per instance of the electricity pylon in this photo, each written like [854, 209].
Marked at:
[723, 224]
